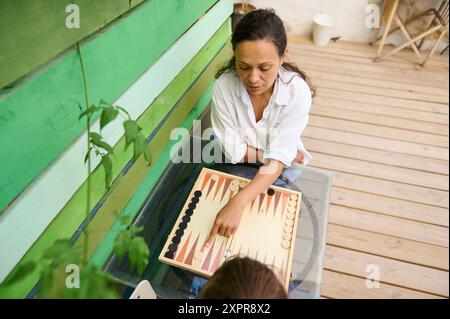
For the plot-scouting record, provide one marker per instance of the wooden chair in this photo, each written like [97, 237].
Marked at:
[438, 24]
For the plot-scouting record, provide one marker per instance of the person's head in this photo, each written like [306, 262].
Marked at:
[243, 278]
[260, 47]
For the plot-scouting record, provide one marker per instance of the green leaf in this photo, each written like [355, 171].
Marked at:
[134, 230]
[88, 154]
[109, 113]
[131, 132]
[46, 280]
[89, 111]
[21, 273]
[138, 254]
[96, 139]
[126, 220]
[148, 155]
[62, 250]
[107, 165]
[123, 110]
[122, 243]
[139, 146]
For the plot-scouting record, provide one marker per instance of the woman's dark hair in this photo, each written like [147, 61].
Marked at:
[262, 24]
[243, 278]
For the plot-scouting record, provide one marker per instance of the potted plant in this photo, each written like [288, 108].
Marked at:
[240, 9]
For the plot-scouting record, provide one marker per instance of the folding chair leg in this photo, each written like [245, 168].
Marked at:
[408, 36]
[387, 28]
[407, 43]
[439, 39]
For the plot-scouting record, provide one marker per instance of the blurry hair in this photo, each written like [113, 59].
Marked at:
[243, 278]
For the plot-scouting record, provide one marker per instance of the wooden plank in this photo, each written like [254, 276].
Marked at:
[370, 155]
[391, 271]
[365, 50]
[345, 121]
[337, 91]
[341, 286]
[411, 62]
[427, 92]
[388, 93]
[393, 117]
[385, 172]
[354, 70]
[377, 143]
[364, 60]
[369, 100]
[21, 289]
[388, 246]
[114, 59]
[126, 186]
[105, 247]
[390, 206]
[72, 215]
[396, 227]
[374, 71]
[391, 189]
[41, 26]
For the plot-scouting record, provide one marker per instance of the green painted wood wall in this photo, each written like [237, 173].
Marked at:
[42, 114]
[181, 102]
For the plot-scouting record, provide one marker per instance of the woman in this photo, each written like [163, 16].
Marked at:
[260, 108]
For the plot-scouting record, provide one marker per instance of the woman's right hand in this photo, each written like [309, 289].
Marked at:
[227, 220]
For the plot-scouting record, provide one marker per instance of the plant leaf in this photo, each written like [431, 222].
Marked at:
[62, 250]
[139, 146]
[131, 132]
[96, 139]
[21, 273]
[138, 254]
[88, 154]
[123, 110]
[107, 165]
[109, 113]
[134, 230]
[89, 111]
[126, 220]
[122, 243]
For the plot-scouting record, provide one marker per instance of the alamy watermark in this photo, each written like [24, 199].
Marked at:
[73, 17]
[373, 277]
[373, 19]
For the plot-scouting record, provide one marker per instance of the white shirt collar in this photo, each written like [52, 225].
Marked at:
[280, 90]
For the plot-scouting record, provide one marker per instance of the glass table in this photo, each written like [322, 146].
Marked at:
[165, 202]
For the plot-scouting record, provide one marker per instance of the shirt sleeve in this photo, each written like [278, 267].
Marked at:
[282, 142]
[226, 132]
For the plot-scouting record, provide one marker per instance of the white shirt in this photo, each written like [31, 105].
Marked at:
[278, 132]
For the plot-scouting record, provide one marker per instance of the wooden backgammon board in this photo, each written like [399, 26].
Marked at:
[266, 232]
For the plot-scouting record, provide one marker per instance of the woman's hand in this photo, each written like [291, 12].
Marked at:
[227, 220]
[299, 158]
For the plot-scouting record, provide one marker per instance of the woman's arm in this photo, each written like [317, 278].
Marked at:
[228, 218]
[253, 155]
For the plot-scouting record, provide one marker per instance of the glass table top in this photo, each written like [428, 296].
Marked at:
[165, 202]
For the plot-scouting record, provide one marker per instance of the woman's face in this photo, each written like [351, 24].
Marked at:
[257, 65]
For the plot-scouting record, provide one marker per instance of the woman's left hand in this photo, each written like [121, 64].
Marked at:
[299, 158]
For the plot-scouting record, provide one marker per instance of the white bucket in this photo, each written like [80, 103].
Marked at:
[324, 25]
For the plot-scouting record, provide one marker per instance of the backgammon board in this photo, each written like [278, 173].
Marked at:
[266, 232]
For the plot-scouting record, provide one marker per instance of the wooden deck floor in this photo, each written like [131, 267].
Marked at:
[382, 130]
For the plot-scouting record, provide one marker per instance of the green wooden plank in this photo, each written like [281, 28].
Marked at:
[130, 182]
[67, 174]
[104, 249]
[45, 107]
[72, 215]
[32, 32]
